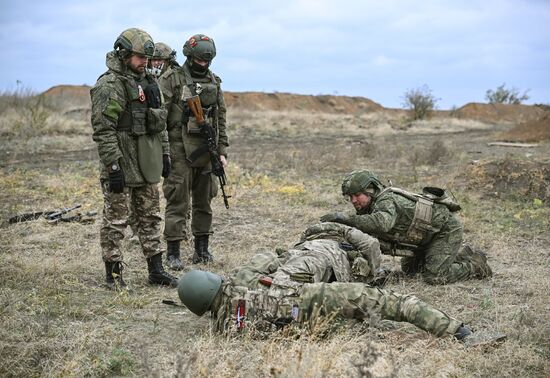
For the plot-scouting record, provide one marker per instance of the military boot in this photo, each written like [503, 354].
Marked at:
[173, 255]
[202, 254]
[157, 274]
[478, 261]
[113, 275]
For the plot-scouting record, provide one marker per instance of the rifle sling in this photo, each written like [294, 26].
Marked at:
[197, 153]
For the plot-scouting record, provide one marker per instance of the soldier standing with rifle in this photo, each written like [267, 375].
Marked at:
[198, 143]
[129, 127]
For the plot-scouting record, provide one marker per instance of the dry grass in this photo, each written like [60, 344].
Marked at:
[58, 319]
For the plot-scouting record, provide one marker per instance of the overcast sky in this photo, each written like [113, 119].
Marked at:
[371, 48]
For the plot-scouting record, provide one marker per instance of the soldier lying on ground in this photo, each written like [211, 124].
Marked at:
[301, 285]
[426, 223]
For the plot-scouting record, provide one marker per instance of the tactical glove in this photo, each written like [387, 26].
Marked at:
[337, 217]
[152, 94]
[116, 178]
[166, 165]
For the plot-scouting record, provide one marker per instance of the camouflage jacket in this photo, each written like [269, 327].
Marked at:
[389, 218]
[112, 97]
[246, 302]
[174, 83]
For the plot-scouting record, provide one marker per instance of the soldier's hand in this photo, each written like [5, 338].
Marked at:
[223, 159]
[116, 178]
[166, 165]
[337, 217]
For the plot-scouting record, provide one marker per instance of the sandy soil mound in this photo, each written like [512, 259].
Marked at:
[260, 101]
[532, 131]
[289, 101]
[493, 113]
[510, 178]
[68, 91]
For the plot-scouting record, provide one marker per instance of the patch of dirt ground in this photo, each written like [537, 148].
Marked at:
[531, 131]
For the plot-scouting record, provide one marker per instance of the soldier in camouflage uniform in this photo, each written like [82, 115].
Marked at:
[424, 222]
[129, 127]
[313, 282]
[326, 252]
[163, 60]
[191, 185]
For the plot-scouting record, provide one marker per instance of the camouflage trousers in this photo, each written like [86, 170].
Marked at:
[268, 309]
[360, 301]
[438, 261]
[145, 205]
[188, 192]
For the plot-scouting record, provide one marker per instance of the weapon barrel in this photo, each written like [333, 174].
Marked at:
[57, 214]
[400, 250]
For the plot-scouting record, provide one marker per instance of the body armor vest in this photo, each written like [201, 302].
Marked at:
[134, 117]
[207, 88]
[421, 223]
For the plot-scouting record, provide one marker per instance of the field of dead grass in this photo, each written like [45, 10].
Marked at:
[58, 319]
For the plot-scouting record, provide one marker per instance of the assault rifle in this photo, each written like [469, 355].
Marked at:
[397, 249]
[53, 216]
[194, 103]
[387, 248]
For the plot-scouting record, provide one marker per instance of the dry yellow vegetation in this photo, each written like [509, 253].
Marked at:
[285, 167]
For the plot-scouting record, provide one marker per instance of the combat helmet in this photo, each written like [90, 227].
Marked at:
[163, 51]
[197, 290]
[361, 181]
[200, 47]
[136, 41]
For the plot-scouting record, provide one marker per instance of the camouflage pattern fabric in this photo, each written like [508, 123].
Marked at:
[184, 186]
[248, 304]
[111, 96]
[190, 187]
[368, 247]
[144, 201]
[136, 40]
[390, 216]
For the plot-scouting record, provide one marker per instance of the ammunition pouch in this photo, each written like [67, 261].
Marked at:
[144, 121]
[156, 120]
[191, 126]
[422, 220]
[139, 122]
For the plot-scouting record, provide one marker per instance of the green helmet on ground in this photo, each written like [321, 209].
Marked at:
[361, 181]
[163, 51]
[135, 41]
[197, 290]
[200, 47]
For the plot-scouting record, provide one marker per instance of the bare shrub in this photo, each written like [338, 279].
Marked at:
[503, 95]
[437, 152]
[420, 101]
[26, 111]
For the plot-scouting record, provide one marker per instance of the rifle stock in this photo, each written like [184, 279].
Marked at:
[194, 103]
